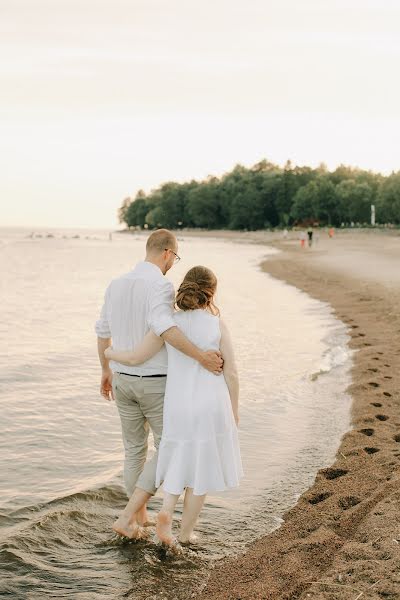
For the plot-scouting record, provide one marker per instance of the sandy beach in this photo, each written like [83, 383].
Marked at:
[342, 539]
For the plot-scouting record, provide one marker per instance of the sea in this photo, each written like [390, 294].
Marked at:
[61, 453]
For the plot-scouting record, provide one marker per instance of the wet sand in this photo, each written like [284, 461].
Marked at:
[342, 539]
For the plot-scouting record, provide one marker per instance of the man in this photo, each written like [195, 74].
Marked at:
[135, 303]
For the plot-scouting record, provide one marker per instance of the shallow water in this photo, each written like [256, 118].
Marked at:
[60, 444]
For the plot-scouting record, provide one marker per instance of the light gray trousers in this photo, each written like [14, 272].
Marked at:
[140, 402]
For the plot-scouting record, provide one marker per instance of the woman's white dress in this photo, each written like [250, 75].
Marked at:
[199, 447]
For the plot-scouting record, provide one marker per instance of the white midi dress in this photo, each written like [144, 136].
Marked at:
[199, 447]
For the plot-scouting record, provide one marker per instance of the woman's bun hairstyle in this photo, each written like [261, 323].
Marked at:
[197, 290]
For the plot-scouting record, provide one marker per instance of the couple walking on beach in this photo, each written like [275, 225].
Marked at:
[171, 371]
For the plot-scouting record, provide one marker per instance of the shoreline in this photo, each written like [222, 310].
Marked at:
[342, 538]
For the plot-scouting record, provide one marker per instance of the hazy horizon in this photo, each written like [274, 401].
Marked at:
[100, 100]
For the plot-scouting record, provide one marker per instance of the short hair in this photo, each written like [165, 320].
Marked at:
[159, 240]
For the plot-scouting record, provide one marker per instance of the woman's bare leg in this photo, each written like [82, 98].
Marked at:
[164, 519]
[191, 509]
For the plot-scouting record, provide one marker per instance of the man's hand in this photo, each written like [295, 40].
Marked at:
[212, 361]
[106, 384]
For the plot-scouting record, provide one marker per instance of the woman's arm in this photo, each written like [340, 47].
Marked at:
[230, 371]
[149, 346]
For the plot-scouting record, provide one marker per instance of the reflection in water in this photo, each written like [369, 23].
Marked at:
[60, 442]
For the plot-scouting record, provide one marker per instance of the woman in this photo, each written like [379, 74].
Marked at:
[199, 449]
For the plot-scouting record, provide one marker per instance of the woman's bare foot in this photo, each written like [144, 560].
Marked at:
[164, 528]
[188, 540]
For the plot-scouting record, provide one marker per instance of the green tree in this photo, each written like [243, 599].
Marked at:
[203, 208]
[122, 211]
[286, 193]
[354, 201]
[316, 201]
[135, 215]
[389, 199]
[328, 205]
[266, 196]
[306, 203]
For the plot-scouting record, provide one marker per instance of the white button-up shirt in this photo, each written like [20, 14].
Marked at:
[141, 300]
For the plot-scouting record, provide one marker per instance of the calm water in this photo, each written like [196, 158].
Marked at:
[60, 444]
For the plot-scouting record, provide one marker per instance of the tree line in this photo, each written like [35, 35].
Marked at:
[267, 196]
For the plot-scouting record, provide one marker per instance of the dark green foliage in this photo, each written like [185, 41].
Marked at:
[203, 207]
[266, 195]
[389, 198]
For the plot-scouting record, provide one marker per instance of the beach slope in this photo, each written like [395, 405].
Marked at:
[342, 539]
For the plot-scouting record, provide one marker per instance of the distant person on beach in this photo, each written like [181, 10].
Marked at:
[310, 237]
[136, 303]
[199, 449]
[302, 238]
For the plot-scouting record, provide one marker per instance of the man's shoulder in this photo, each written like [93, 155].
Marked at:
[152, 280]
[117, 280]
[129, 275]
[162, 284]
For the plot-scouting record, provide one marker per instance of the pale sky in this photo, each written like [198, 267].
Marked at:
[101, 98]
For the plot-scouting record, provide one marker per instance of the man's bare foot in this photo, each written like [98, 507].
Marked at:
[164, 528]
[150, 523]
[126, 528]
[175, 547]
[143, 518]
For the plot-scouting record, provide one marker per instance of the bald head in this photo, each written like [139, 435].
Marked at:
[160, 240]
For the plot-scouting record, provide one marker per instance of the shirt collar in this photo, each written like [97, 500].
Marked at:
[145, 264]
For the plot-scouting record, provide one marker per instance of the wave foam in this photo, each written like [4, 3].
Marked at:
[335, 357]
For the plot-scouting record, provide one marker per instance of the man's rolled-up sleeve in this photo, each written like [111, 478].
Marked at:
[102, 326]
[161, 308]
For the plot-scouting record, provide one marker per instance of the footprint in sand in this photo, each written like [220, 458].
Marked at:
[361, 335]
[367, 432]
[376, 404]
[387, 377]
[388, 394]
[386, 365]
[396, 437]
[348, 501]
[373, 384]
[373, 370]
[381, 353]
[354, 326]
[319, 498]
[334, 473]
[369, 450]
[376, 358]
[366, 344]
[381, 417]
